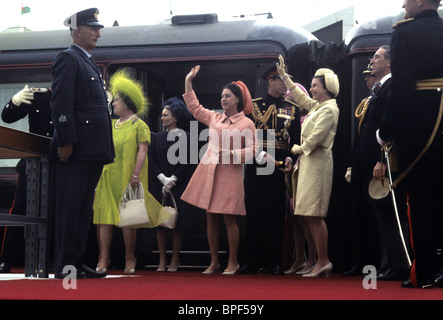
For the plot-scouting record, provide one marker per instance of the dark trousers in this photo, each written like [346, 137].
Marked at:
[426, 214]
[75, 186]
[365, 249]
[265, 200]
[14, 241]
[392, 252]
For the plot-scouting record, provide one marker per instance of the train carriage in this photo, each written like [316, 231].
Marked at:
[160, 56]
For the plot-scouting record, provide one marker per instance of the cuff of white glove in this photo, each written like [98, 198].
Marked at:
[290, 159]
[260, 158]
[15, 101]
[380, 140]
[348, 175]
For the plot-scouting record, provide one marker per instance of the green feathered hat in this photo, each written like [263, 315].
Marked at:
[122, 82]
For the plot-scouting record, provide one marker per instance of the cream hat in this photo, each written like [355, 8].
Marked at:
[331, 80]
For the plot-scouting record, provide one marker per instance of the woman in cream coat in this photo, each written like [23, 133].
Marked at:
[315, 168]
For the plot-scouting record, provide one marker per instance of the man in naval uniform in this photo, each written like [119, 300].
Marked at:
[34, 103]
[81, 145]
[413, 120]
[265, 194]
[364, 235]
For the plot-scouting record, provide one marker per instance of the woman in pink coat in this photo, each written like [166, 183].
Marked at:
[217, 183]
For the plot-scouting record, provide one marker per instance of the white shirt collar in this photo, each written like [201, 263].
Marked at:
[386, 77]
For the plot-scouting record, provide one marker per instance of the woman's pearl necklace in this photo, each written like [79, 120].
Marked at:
[118, 123]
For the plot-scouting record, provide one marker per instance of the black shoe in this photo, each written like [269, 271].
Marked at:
[354, 271]
[248, 270]
[90, 273]
[390, 274]
[70, 275]
[408, 284]
[277, 270]
[439, 282]
[5, 267]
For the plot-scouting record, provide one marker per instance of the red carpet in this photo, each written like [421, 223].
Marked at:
[192, 285]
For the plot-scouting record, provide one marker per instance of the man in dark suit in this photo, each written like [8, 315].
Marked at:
[393, 260]
[265, 194]
[82, 142]
[417, 81]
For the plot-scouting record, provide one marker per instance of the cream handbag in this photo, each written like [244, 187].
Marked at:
[171, 222]
[132, 207]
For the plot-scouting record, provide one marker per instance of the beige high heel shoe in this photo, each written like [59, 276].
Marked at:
[325, 269]
[294, 269]
[212, 271]
[301, 272]
[129, 270]
[173, 269]
[232, 272]
[102, 269]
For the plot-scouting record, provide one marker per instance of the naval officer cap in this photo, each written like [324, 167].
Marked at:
[368, 69]
[86, 17]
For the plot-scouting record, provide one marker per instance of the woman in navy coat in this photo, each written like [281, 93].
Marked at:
[170, 173]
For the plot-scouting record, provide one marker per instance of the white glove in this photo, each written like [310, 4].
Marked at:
[281, 68]
[348, 175]
[167, 182]
[296, 149]
[23, 96]
[380, 141]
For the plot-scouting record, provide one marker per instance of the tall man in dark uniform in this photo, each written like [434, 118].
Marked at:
[34, 103]
[393, 261]
[82, 142]
[364, 238]
[265, 192]
[417, 81]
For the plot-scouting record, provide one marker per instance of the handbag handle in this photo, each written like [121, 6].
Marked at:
[131, 194]
[172, 198]
[139, 192]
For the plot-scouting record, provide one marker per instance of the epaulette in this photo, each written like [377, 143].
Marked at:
[401, 22]
[256, 99]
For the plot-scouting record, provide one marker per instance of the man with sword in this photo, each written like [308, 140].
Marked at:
[414, 121]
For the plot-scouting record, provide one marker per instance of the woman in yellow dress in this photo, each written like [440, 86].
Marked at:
[131, 137]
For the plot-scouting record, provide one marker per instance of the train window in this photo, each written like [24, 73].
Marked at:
[163, 81]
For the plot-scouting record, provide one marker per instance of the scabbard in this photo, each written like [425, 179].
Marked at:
[400, 230]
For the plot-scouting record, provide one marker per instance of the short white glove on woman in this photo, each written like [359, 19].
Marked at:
[166, 181]
[296, 149]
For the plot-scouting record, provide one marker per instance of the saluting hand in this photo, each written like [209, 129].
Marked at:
[190, 76]
[23, 96]
[281, 68]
